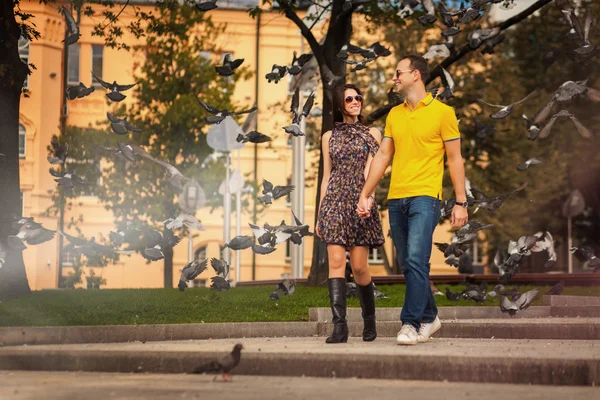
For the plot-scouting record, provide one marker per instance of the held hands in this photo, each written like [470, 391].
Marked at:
[364, 206]
[459, 217]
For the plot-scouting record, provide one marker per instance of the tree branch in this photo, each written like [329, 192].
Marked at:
[463, 51]
[306, 32]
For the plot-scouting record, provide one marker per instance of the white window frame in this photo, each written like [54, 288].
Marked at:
[375, 257]
[74, 82]
[24, 47]
[23, 133]
[97, 84]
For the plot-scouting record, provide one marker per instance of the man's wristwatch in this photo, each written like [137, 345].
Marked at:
[464, 204]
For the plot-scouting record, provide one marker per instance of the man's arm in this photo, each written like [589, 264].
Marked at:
[457, 173]
[377, 168]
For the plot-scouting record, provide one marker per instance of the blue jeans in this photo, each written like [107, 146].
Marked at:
[412, 221]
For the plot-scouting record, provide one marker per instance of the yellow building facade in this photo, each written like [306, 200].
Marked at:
[40, 113]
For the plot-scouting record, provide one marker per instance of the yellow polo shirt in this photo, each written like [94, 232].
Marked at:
[419, 136]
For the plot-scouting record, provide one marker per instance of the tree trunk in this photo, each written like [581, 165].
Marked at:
[13, 277]
[338, 34]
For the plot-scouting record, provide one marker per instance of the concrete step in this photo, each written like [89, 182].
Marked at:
[570, 301]
[546, 362]
[323, 314]
[538, 328]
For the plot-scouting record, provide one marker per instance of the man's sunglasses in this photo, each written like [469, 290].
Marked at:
[358, 98]
[398, 72]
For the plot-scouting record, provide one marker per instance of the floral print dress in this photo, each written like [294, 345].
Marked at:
[339, 223]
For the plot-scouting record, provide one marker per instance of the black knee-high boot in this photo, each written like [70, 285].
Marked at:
[367, 304]
[337, 298]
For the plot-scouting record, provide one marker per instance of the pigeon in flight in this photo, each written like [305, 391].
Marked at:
[287, 287]
[153, 243]
[190, 272]
[358, 65]
[184, 220]
[80, 91]
[30, 232]
[506, 110]
[586, 255]
[429, 17]
[528, 163]
[72, 27]
[449, 249]
[479, 36]
[491, 43]
[253, 137]
[294, 128]
[582, 33]
[492, 203]
[271, 193]
[121, 126]
[58, 150]
[129, 234]
[447, 20]
[521, 303]
[220, 266]
[89, 248]
[469, 231]
[219, 284]
[298, 63]
[229, 64]
[115, 89]
[437, 51]
[375, 50]
[224, 365]
[206, 5]
[176, 178]
[448, 82]
[583, 131]
[67, 179]
[240, 243]
[298, 232]
[277, 73]
[220, 115]
[123, 152]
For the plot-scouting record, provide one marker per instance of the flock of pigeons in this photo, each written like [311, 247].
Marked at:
[151, 243]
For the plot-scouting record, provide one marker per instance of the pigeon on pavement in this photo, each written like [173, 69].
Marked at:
[556, 289]
[224, 365]
[521, 303]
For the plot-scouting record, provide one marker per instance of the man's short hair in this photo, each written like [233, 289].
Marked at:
[419, 63]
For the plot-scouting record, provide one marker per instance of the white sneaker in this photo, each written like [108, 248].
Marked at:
[429, 329]
[407, 335]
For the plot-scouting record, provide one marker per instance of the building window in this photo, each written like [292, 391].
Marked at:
[22, 204]
[288, 251]
[24, 54]
[68, 259]
[200, 254]
[375, 256]
[22, 140]
[476, 250]
[97, 59]
[73, 65]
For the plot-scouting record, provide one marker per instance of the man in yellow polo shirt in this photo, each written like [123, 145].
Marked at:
[417, 135]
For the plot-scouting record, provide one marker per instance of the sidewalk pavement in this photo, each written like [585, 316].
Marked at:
[25, 385]
[554, 362]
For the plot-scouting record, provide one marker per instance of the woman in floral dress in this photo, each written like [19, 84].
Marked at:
[347, 153]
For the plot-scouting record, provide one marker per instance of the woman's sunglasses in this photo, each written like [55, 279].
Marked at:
[358, 98]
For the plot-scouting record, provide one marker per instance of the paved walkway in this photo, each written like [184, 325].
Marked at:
[24, 385]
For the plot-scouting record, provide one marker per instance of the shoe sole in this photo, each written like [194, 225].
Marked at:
[430, 335]
[406, 343]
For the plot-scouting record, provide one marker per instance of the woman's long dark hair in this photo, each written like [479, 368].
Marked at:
[339, 102]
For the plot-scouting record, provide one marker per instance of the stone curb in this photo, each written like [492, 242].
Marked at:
[323, 314]
[569, 301]
[482, 329]
[130, 333]
[423, 367]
